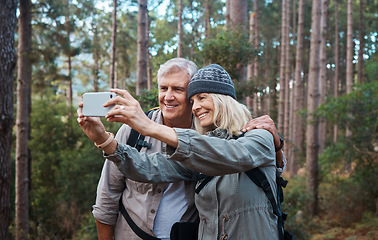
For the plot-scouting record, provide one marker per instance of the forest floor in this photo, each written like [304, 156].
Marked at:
[366, 229]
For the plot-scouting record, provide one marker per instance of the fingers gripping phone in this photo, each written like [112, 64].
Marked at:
[93, 101]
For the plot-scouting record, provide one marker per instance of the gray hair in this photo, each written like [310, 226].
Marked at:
[176, 64]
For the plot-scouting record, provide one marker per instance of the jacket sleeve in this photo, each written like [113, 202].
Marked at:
[110, 187]
[215, 156]
[152, 168]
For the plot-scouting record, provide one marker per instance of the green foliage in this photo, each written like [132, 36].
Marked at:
[344, 197]
[293, 205]
[355, 191]
[343, 201]
[164, 33]
[65, 169]
[358, 111]
[229, 49]
[148, 98]
[87, 230]
[126, 44]
[372, 68]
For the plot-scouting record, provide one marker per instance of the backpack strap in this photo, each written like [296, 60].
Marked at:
[259, 178]
[203, 183]
[139, 232]
[136, 139]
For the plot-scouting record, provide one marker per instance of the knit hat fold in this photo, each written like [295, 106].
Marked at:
[211, 79]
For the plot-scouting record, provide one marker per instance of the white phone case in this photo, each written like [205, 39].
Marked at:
[93, 101]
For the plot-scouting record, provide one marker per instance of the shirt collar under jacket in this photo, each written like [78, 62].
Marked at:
[222, 133]
[219, 133]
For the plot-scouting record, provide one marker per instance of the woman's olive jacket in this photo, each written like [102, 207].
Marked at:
[230, 206]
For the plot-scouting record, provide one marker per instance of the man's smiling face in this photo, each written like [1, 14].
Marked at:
[175, 108]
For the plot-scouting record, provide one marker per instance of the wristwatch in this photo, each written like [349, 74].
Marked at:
[281, 143]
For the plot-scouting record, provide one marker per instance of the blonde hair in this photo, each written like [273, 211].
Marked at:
[228, 114]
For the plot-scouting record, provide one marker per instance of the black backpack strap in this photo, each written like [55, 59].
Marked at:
[203, 183]
[136, 139]
[261, 181]
[281, 183]
[142, 234]
[133, 137]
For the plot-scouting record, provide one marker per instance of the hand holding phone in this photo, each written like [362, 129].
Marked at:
[93, 101]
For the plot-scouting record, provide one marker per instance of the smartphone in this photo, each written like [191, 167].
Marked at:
[93, 101]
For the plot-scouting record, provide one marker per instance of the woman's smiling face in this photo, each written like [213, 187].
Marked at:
[203, 109]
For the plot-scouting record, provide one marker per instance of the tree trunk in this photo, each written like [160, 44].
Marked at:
[312, 103]
[269, 92]
[239, 20]
[294, 23]
[265, 102]
[149, 73]
[349, 57]
[336, 77]
[207, 18]
[323, 71]
[227, 15]
[360, 66]
[69, 83]
[343, 57]
[194, 32]
[255, 61]
[287, 78]
[249, 100]
[69, 74]
[115, 74]
[252, 68]
[22, 122]
[298, 98]
[281, 100]
[95, 59]
[142, 48]
[256, 36]
[113, 52]
[7, 64]
[239, 14]
[179, 30]
[292, 67]
[149, 69]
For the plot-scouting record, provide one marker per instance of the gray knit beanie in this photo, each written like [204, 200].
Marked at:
[211, 79]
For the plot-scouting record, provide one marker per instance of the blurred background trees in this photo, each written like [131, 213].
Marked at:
[313, 70]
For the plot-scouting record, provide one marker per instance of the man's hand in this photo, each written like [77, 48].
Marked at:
[264, 122]
[128, 111]
[91, 126]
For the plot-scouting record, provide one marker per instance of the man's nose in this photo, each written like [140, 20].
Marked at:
[169, 95]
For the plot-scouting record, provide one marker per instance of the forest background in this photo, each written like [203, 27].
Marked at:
[310, 65]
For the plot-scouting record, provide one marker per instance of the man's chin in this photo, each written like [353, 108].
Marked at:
[169, 113]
